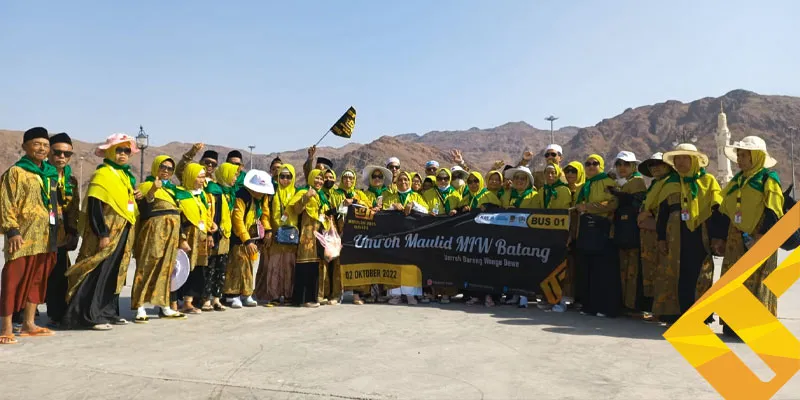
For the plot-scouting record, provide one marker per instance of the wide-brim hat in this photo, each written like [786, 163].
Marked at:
[114, 140]
[180, 273]
[387, 175]
[686, 149]
[259, 182]
[655, 159]
[458, 173]
[509, 173]
[749, 143]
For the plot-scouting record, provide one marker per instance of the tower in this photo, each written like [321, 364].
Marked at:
[724, 173]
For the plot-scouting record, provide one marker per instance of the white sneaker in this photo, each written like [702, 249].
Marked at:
[249, 302]
[141, 312]
[167, 311]
[236, 303]
[411, 300]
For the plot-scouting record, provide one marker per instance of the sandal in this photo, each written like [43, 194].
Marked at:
[488, 302]
[219, 307]
[141, 319]
[358, 302]
[102, 327]
[207, 308]
[8, 339]
[191, 311]
[119, 321]
[40, 331]
[176, 315]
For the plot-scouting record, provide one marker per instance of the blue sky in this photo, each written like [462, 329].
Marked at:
[277, 74]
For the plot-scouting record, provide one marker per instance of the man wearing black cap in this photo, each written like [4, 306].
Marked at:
[321, 164]
[68, 202]
[235, 157]
[210, 160]
[29, 219]
[274, 169]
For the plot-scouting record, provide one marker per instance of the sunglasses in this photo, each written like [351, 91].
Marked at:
[570, 171]
[123, 150]
[377, 176]
[592, 163]
[238, 164]
[620, 163]
[64, 153]
[393, 167]
[472, 181]
[285, 176]
[167, 168]
[442, 178]
[210, 163]
[550, 155]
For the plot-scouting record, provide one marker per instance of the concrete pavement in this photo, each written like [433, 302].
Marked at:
[366, 352]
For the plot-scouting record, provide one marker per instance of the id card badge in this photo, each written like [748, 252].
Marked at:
[684, 215]
[737, 218]
[343, 209]
[52, 217]
[130, 206]
[202, 226]
[284, 218]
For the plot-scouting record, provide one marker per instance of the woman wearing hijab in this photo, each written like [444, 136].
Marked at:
[378, 181]
[250, 216]
[195, 237]
[494, 184]
[416, 182]
[96, 280]
[598, 269]
[555, 194]
[522, 193]
[309, 204]
[341, 199]
[752, 204]
[630, 197]
[280, 267]
[330, 282]
[443, 199]
[661, 172]
[683, 237]
[575, 178]
[428, 183]
[157, 238]
[477, 196]
[226, 175]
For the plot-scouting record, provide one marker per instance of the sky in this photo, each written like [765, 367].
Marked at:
[278, 74]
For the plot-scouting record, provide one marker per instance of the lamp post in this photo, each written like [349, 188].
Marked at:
[142, 141]
[792, 130]
[551, 119]
[80, 182]
[683, 137]
[251, 147]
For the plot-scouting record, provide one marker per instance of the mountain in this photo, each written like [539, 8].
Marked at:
[643, 130]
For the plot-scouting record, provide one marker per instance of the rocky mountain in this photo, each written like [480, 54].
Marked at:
[643, 130]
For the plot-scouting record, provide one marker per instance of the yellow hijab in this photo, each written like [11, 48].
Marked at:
[750, 191]
[318, 205]
[581, 179]
[114, 187]
[194, 209]
[699, 192]
[163, 193]
[595, 193]
[283, 196]
[550, 192]
[226, 175]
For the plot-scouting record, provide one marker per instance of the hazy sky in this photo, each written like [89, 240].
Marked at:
[277, 74]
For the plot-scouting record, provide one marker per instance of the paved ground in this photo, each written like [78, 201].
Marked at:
[366, 352]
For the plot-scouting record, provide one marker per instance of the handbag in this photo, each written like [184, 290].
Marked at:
[593, 234]
[626, 229]
[287, 234]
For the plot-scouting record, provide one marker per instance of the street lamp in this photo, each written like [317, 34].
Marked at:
[142, 141]
[792, 130]
[551, 119]
[683, 137]
[80, 182]
[251, 155]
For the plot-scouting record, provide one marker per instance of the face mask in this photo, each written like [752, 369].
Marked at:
[459, 183]
[621, 181]
[328, 184]
[443, 187]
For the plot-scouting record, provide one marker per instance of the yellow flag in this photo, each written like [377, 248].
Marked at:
[345, 125]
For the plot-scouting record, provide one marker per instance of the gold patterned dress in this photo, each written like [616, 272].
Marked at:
[155, 250]
[247, 213]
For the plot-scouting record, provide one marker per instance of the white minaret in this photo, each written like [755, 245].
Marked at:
[724, 173]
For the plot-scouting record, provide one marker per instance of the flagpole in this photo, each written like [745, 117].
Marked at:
[323, 137]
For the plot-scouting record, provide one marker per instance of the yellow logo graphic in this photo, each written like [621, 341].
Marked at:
[364, 213]
[552, 285]
[751, 321]
[547, 221]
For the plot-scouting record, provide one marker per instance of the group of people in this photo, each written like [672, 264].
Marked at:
[634, 248]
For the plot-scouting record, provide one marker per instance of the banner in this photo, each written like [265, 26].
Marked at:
[345, 125]
[505, 251]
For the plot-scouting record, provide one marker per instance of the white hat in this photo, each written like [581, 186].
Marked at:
[393, 160]
[644, 167]
[259, 181]
[686, 149]
[432, 164]
[180, 273]
[457, 172]
[509, 174]
[627, 156]
[750, 143]
[387, 175]
[555, 147]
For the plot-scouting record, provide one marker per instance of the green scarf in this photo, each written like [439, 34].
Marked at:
[656, 180]
[550, 191]
[203, 199]
[124, 168]
[692, 181]
[518, 197]
[501, 192]
[213, 188]
[404, 196]
[323, 199]
[173, 190]
[756, 182]
[231, 192]
[46, 172]
[239, 181]
[349, 195]
[378, 193]
[473, 203]
[68, 181]
[443, 196]
[584, 194]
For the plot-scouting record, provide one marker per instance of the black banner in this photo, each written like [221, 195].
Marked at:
[345, 125]
[505, 251]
